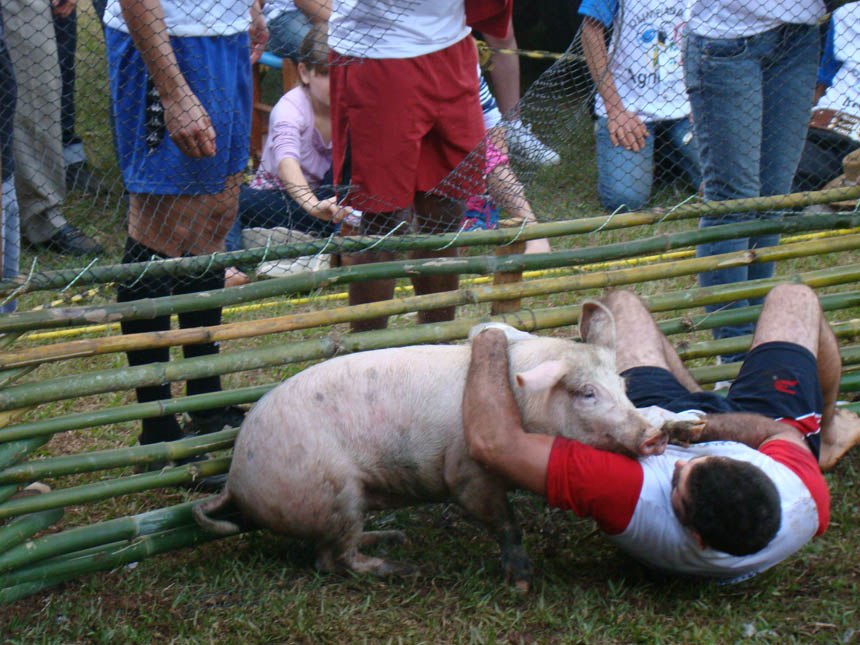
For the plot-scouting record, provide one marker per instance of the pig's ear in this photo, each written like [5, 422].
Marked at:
[596, 324]
[542, 377]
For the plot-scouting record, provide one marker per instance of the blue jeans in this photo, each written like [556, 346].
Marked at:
[270, 208]
[625, 178]
[286, 33]
[751, 100]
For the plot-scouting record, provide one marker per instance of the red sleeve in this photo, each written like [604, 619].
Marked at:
[593, 483]
[803, 464]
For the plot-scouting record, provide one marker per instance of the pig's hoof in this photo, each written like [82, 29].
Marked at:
[371, 538]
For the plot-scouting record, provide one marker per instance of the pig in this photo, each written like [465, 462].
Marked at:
[383, 429]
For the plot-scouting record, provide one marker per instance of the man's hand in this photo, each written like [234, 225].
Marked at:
[188, 124]
[63, 8]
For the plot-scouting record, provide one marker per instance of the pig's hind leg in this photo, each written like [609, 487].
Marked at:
[338, 548]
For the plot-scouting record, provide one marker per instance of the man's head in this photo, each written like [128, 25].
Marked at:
[731, 505]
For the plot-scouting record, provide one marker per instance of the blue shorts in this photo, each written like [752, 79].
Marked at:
[778, 380]
[218, 70]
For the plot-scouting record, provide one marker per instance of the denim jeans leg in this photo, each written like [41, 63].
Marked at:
[724, 84]
[789, 79]
[624, 177]
[286, 33]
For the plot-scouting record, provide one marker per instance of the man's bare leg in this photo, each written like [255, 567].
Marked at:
[639, 342]
[792, 313]
[436, 214]
[361, 293]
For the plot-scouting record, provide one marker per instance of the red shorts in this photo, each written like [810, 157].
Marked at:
[401, 125]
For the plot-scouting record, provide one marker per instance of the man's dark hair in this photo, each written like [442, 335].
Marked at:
[733, 505]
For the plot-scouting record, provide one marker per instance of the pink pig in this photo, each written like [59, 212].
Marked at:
[383, 429]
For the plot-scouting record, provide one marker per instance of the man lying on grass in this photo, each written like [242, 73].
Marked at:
[747, 497]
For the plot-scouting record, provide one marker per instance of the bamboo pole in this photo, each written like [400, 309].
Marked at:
[109, 557]
[97, 491]
[232, 331]
[134, 411]
[155, 373]
[25, 526]
[118, 457]
[196, 264]
[312, 280]
[85, 537]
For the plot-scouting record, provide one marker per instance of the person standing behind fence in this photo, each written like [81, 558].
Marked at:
[40, 172]
[750, 69]
[180, 78]
[834, 129]
[10, 232]
[405, 113]
[642, 109]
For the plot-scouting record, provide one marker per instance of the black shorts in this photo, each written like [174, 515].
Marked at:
[778, 380]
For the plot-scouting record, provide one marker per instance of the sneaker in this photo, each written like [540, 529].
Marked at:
[526, 146]
[293, 266]
[69, 240]
[209, 421]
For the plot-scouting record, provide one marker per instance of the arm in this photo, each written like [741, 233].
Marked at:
[290, 172]
[316, 10]
[258, 31]
[625, 128]
[187, 121]
[748, 428]
[491, 419]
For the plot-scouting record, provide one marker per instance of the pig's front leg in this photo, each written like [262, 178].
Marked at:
[485, 499]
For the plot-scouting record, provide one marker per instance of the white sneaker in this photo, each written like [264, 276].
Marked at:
[293, 266]
[525, 145]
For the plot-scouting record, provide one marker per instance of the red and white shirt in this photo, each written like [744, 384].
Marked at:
[631, 502]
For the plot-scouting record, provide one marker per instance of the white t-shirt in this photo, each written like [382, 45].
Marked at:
[385, 29]
[645, 58]
[843, 95]
[655, 536]
[191, 18]
[741, 18]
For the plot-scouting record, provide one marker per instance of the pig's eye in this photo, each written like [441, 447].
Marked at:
[588, 393]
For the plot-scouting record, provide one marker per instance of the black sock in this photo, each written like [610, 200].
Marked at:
[163, 428]
[206, 318]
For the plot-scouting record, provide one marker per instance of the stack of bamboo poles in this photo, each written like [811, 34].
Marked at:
[29, 563]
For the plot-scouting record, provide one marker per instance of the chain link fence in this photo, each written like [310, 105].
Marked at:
[653, 103]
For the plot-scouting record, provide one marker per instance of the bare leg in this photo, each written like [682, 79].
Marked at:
[640, 342]
[793, 314]
[434, 214]
[361, 293]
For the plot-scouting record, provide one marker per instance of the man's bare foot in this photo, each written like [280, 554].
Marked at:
[842, 435]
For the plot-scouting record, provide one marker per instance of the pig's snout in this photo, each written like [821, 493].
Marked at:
[654, 442]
